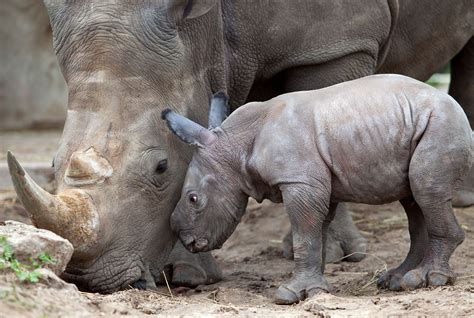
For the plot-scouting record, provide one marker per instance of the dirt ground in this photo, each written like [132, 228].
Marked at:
[254, 267]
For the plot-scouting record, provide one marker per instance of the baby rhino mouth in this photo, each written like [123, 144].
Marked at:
[192, 244]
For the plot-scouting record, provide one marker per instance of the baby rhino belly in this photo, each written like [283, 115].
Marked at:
[373, 179]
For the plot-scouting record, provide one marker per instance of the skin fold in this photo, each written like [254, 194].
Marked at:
[374, 140]
[125, 61]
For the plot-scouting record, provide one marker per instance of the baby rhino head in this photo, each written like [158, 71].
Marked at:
[211, 203]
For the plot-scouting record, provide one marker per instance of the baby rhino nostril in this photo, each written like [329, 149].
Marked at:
[187, 239]
[201, 243]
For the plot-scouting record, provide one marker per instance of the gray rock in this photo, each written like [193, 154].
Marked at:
[52, 280]
[28, 242]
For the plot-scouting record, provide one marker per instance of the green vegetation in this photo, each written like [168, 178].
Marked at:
[25, 272]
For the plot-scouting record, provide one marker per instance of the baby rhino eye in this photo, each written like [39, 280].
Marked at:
[193, 198]
[162, 166]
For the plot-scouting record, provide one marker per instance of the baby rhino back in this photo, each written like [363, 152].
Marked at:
[365, 133]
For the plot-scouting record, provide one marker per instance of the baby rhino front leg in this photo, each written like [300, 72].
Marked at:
[310, 214]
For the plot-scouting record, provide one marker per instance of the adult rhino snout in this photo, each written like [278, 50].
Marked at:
[70, 214]
[87, 167]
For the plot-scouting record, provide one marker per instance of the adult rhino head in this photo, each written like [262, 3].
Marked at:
[119, 170]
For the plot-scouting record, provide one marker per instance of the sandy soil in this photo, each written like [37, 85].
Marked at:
[254, 267]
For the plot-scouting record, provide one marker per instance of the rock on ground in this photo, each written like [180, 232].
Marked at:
[28, 242]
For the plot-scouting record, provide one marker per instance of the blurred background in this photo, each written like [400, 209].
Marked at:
[33, 94]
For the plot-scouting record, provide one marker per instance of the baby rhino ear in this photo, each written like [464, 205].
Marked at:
[187, 130]
[219, 110]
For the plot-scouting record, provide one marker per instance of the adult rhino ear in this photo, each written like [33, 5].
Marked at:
[187, 130]
[197, 8]
[189, 9]
[219, 109]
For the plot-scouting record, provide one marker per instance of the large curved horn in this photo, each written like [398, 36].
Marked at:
[70, 214]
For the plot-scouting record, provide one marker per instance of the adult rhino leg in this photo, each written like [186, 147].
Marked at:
[343, 232]
[344, 242]
[462, 89]
[190, 270]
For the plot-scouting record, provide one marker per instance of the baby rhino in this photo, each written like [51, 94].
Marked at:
[373, 140]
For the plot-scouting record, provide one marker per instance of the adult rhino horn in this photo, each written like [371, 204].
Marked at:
[70, 214]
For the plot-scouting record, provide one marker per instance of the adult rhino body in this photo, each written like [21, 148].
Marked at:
[124, 62]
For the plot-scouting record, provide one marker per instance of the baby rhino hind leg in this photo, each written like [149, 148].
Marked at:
[418, 244]
[444, 235]
[436, 166]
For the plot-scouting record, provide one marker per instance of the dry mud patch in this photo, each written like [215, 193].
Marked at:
[254, 267]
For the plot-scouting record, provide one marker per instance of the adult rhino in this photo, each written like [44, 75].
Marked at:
[119, 170]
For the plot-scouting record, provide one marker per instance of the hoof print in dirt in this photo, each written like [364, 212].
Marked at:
[29, 245]
[317, 310]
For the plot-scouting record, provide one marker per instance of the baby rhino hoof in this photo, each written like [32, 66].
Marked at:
[284, 296]
[418, 279]
[295, 292]
[390, 280]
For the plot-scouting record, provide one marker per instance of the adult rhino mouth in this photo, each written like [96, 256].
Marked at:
[105, 278]
[70, 214]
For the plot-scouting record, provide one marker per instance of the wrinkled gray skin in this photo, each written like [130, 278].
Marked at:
[373, 140]
[125, 61]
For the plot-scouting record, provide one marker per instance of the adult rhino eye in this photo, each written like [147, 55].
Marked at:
[193, 198]
[162, 166]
